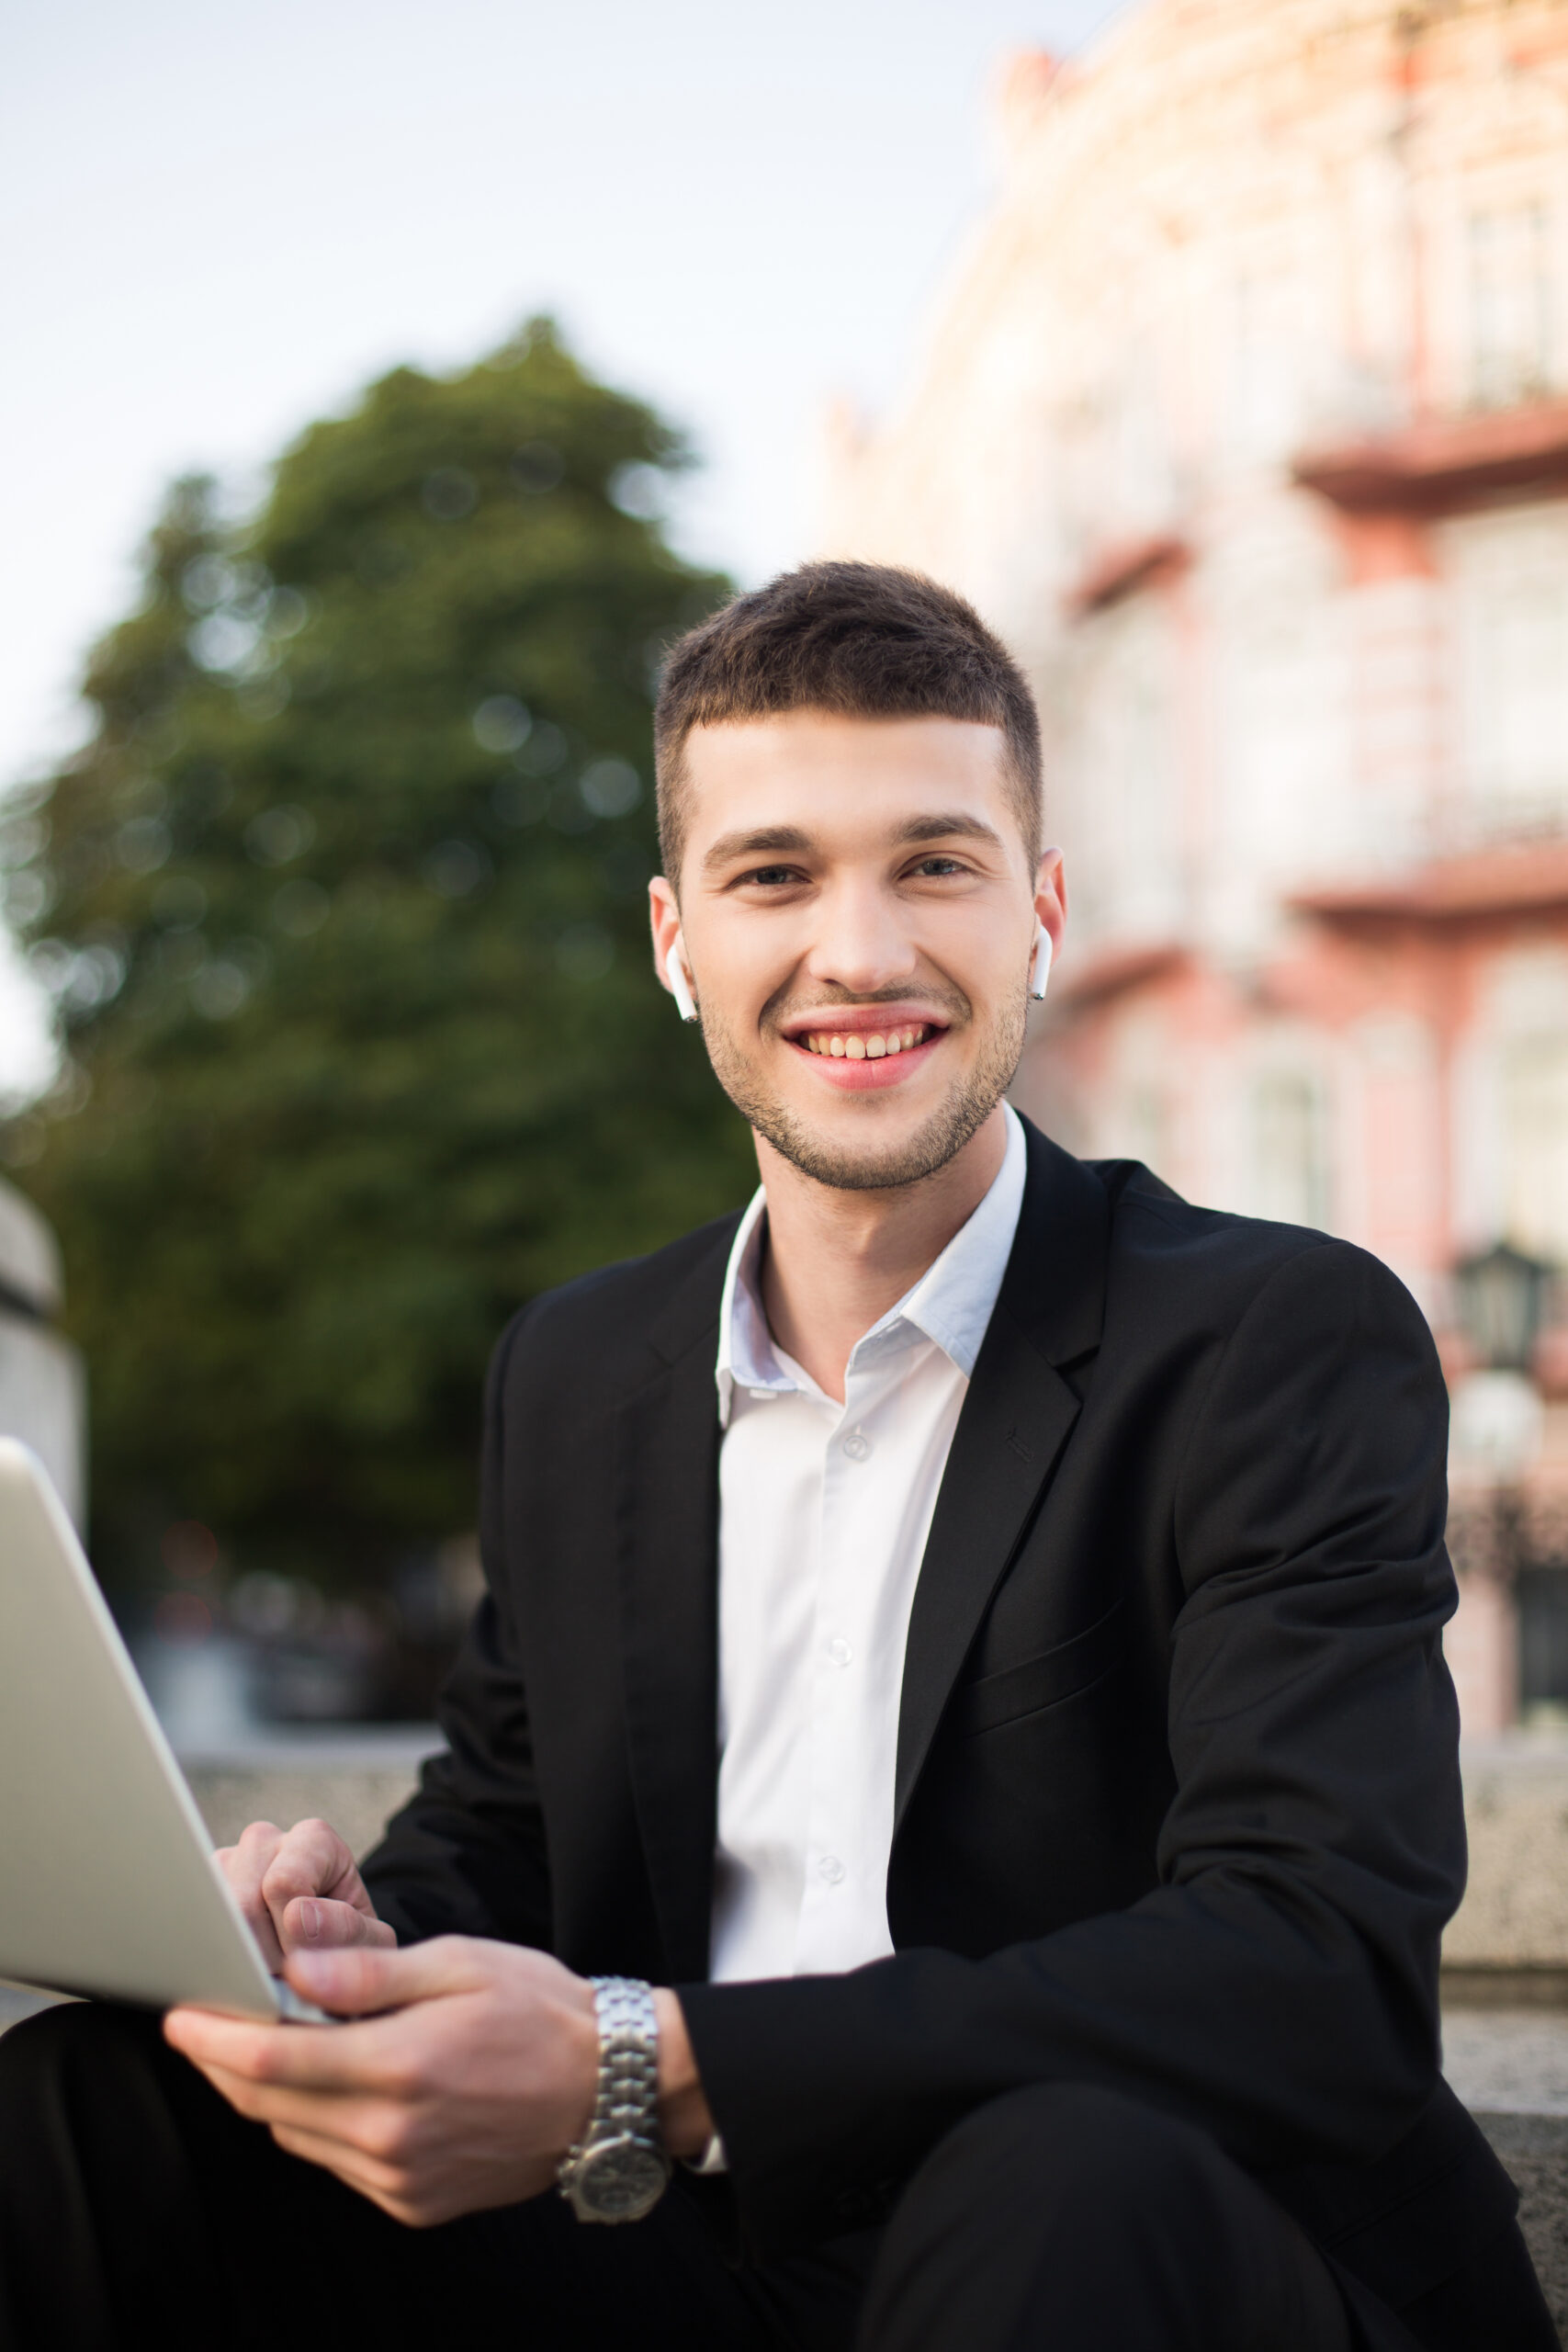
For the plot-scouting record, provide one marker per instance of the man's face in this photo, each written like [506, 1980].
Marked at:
[858, 912]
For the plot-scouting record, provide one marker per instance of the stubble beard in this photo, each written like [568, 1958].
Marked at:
[941, 1137]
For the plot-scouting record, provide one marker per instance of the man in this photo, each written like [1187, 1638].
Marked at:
[962, 1655]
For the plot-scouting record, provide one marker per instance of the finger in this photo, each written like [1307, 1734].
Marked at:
[367, 1981]
[317, 1923]
[364, 2059]
[244, 1866]
[313, 1860]
[324, 2112]
[208, 2039]
[381, 2182]
[378, 2131]
[310, 1860]
[364, 1983]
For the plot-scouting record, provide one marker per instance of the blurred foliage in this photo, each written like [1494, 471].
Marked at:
[344, 912]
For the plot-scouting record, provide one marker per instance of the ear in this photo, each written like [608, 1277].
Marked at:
[1050, 919]
[679, 978]
[669, 947]
[1039, 967]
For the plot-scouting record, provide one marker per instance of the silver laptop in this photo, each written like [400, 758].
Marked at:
[107, 1884]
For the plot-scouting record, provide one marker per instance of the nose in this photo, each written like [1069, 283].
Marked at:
[860, 943]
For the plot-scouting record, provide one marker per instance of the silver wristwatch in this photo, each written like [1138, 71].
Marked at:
[618, 2170]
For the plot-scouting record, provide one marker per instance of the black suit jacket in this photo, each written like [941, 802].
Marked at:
[1177, 1799]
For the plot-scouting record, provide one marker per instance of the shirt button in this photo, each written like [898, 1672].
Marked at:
[857, 1445]
[839, 1651]
[832, 1869]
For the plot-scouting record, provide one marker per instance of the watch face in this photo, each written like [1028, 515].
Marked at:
[619, 2179]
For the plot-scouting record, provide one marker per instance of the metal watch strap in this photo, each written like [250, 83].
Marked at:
[625, 2111]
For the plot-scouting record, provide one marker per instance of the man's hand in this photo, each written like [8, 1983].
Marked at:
[300, 1890]
[471, 2070]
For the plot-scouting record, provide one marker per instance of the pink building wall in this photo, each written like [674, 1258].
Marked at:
[1246, 418]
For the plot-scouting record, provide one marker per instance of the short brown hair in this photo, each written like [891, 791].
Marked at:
[862, 639]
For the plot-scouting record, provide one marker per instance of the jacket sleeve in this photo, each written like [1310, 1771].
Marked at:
[1278, 1986]
[467, 1856]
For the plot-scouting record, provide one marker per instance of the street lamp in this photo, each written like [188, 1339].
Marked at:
[1500, 1293]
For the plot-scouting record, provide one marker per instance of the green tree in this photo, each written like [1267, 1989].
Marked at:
[342, 908]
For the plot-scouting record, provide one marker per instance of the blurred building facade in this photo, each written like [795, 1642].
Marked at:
[1245, 419]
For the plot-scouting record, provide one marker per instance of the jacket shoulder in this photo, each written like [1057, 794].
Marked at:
[663, 1302]
[1225, 1261]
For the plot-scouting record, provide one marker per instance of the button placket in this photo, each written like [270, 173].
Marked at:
[833, 1813]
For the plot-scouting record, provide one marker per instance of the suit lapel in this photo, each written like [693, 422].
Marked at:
[1016, 1419]
[666, 1471]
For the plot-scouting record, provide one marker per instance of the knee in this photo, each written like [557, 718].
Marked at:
[1063, 2178]
[1076, 2144]
[1075, 2215]
[74, 2042]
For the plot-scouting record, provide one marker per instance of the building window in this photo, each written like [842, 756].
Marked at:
[1511, 574]
[1130, 874]
[1535, 1132]
[1510, 305]
[1523, 687]
[1290, 1171]
[1266, 364]
[1139, 489]
[1281, 722]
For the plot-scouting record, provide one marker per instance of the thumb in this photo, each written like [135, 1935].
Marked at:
[360, 1980]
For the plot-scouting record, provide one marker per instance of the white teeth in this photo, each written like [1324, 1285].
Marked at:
[860, 1047]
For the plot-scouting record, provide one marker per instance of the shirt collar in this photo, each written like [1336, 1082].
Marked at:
[952, 1302]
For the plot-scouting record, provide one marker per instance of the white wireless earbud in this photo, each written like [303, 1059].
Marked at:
[680, 986]
[1040, 969]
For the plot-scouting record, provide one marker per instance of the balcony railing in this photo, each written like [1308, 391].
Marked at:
[1442, 464]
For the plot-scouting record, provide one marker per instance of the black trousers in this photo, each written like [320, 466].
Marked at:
[136, 2207]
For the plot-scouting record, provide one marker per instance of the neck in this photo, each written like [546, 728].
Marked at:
[836, 1261]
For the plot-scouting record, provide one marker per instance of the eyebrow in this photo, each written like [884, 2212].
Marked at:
[766, 841]
[942, 826]
[775, 841]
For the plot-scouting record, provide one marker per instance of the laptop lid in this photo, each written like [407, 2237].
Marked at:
[107, 1884]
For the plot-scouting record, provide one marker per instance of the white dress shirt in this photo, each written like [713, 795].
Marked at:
[824, 1510]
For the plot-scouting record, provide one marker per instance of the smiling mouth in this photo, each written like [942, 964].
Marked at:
[861, 1046]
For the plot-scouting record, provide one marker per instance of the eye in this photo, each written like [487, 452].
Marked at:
[772, 878]
[939, 864]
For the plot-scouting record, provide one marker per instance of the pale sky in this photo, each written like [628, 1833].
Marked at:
[217, 225]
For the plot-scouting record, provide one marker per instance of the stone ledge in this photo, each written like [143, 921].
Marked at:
[1534, 2151]
[1487, 1984]
[353, 1779]
[1515, 1913]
